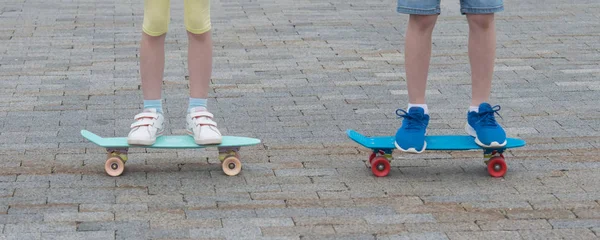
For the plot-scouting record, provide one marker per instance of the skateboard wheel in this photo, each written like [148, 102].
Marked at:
[380, 166]
[497, 167]
[231, 166]
[114, 166]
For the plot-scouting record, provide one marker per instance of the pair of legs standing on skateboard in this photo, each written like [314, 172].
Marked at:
[151, 123]
[410, 137]
[481, 123]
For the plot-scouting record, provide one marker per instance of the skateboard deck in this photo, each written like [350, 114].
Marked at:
[177, 141]
[437, 143]
[383, 146]
[117, 148]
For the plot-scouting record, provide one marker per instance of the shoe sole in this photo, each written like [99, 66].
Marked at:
[144, 142]
[208, 142]
[471, 131]
[411, 150]
[205, 142]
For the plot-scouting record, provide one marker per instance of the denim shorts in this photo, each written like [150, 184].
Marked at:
[432, 7]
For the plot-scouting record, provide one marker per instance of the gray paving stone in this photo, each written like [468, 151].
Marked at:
[239, 233]
[39, 227]
[21, 200]
[313, 187]
[574, 223]
[239, 213]
[398, 219]
[407, 236]
[113, 226]
[340, 237]
[291, 212]
[558, 234]
[131, 207]
[20, 218]
[73, 195]
[360, 211]
[256, 222]
[304, 172]
[78, 217]
[156, 215]
[24, 236]
[80, 235]
[484, 234]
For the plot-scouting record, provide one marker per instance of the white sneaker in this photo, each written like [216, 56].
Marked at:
[148, 125]
[200, 124]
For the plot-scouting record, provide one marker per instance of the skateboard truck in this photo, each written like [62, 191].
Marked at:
[387, 153]
[118, 152]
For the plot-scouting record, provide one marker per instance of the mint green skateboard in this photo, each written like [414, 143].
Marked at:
[117, 148]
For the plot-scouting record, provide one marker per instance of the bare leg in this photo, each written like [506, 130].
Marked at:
[200, 122]
[152, 65]
[482, 53]
[199, 63]
[417, 52]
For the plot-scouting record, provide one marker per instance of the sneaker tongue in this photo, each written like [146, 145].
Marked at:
[150, 110]
[485, 107]
[417, 111]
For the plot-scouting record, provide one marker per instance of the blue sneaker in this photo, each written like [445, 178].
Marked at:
[411, 135]
[485, 129]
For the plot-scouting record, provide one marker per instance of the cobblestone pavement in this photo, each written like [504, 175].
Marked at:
[296, 74]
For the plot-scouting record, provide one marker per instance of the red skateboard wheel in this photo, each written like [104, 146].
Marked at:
[497, 167]
[380, 166]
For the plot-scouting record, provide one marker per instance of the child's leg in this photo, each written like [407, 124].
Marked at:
[482, 53]
[150, 123]
[200, 121]
[199, 63]
[152, 50]
[410, 137]
[198, 25]
[417, 51]
[481, 122]
[152, 64]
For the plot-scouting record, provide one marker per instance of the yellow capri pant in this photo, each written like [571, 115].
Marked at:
[157, 16]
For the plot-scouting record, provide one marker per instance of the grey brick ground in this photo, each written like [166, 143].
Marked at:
[296, 74]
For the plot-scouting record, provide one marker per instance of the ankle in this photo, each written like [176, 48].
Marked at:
[156, 104]
[423, 106]
[197, 102]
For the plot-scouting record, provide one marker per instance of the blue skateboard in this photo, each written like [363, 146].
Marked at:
[383, 146]
[117, 148]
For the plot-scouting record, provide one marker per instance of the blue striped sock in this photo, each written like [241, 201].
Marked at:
[197, 102]
[157, 104]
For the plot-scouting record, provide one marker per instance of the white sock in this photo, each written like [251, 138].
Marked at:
[474, 109]
[423, 106]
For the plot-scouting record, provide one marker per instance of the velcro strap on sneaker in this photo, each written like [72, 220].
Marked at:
[142, 122]
[146, 115]
[201, 114]
[205, 121]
